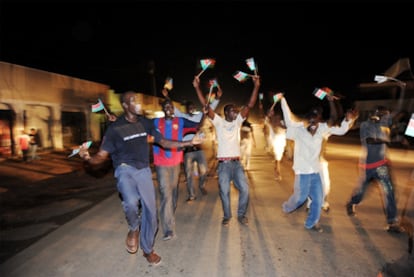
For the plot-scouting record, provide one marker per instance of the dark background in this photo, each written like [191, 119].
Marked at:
[297, 45]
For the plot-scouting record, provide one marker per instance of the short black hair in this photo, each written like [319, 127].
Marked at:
[123, 96]
[165, 102]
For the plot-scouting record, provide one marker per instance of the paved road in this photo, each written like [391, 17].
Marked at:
[274, 244]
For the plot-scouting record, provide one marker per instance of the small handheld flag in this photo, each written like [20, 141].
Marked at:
[241, 76]
[212, 83]
[99, 107]
[260, 96]
[319, 93]
[276, 98]
[168, 83]
[75, 151]
[252, 65]
[410, 127]
[206, 63]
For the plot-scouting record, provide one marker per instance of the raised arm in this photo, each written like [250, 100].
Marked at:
[206, 109]
[335, 110]
[245, 111]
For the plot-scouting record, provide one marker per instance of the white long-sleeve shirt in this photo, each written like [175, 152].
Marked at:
[307, 146]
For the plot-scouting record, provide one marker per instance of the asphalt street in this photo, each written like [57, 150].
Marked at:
[90, 242]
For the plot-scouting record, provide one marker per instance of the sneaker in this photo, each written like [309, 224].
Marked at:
[225, 222]
[191, 199]
[316, 228]
[350, 209]
[203, 191]
[243, 220]
[395, 228]
[152, 258]
[168, 236]
[132, 241]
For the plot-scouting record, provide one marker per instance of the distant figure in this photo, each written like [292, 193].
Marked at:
[374, 134]
[24, 140]
[247, 142]
[194, 156]
[277, 137]
[34, 144]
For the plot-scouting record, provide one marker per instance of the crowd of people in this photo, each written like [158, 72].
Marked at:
[176, 140]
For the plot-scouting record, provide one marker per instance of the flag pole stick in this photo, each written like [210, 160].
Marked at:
[209, 95]
[201, 72]
[274, 103]
[204, 69]
[105, 110]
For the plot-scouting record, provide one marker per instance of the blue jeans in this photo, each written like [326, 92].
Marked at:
[306, 185]
[381, 174]
[233, 171]
[135, 187]
[189, 159]
[168, 178]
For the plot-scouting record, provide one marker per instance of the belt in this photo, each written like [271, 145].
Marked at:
[192, 149]
[228, 159]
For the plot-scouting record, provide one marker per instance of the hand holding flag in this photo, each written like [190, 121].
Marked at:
[75, 151]
[276, 98]
[212, 83]
[168, 83]
[319, 93]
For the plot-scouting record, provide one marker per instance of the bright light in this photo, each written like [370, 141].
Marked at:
[380, 79]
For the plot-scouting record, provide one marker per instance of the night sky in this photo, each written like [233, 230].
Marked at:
[297, 45]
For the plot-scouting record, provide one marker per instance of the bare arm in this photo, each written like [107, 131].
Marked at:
[206, 109]
[99, 158]
[245, 111]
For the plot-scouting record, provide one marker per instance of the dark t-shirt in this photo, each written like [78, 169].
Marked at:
[127, 142]
[34, 139]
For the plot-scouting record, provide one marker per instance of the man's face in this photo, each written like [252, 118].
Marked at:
[313, 124]
[133, 106]
[168, 110]
[231, 114]
[190, 109]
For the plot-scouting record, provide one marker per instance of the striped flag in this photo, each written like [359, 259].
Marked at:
[240, 76]
[251, 64]
[410, 127]
[319, 93]
[98, 106]
[206, 63]
[213, 83]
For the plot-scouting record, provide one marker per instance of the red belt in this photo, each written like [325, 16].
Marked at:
[374, 165]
